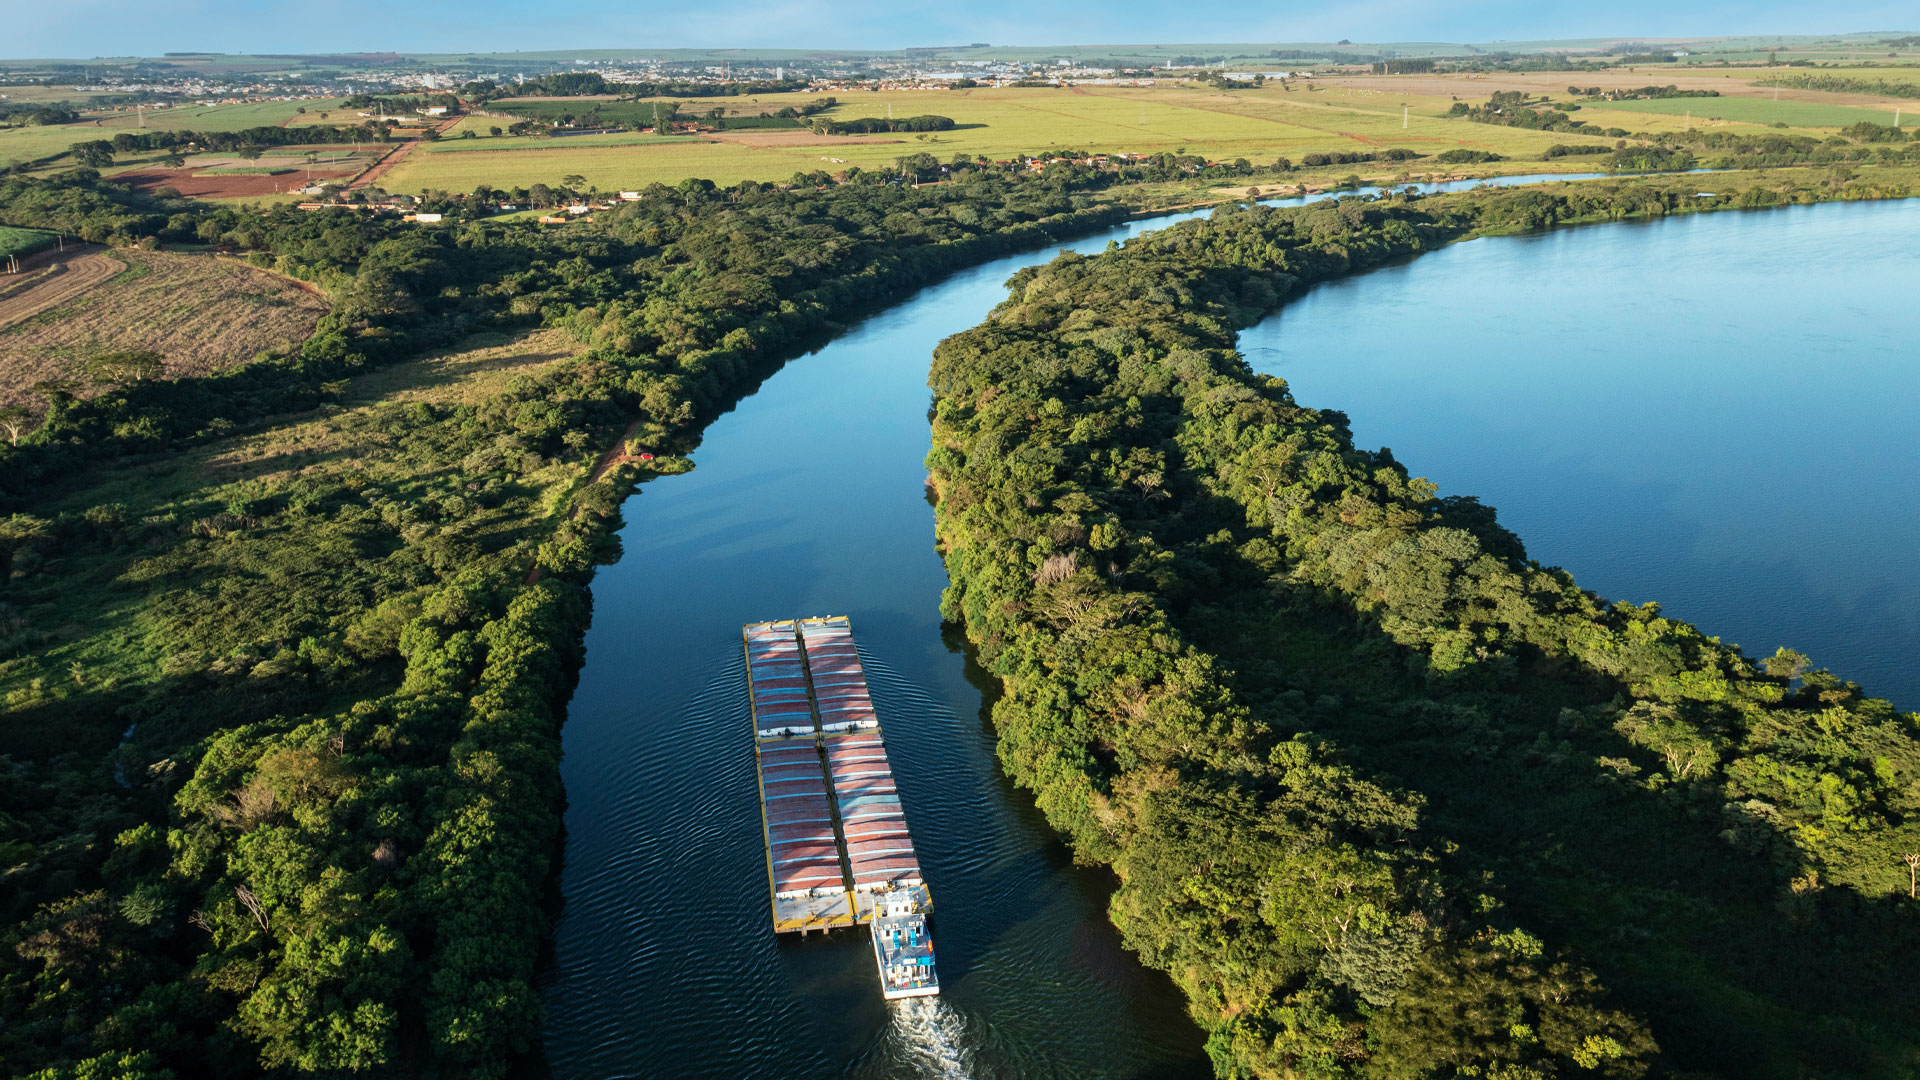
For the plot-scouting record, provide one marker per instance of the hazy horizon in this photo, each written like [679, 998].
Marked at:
[83, 29]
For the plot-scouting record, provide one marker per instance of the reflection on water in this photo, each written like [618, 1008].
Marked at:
[1711, 411]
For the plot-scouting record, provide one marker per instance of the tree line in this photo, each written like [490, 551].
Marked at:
[1842, 84]
[304, 822]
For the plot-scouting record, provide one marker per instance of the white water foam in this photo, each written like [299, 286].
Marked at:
[928, 1035]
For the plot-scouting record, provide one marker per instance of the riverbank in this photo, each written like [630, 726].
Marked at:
[1210, 612]
[334, 617]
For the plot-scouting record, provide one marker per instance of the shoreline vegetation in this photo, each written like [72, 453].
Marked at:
[1385, 797]
[281, 785]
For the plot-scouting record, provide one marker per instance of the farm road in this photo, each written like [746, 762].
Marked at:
[393, 157]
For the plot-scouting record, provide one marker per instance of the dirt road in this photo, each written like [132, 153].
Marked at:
[393, 157]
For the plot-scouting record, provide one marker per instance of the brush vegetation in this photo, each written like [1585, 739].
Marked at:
[1386, 797]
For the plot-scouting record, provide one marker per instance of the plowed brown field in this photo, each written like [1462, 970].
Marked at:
[73, 277]
[202, 314]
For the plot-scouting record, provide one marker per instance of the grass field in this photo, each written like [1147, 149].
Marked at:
[37, 94]
[1259, 125]
[219, 117]
[22, 241]
[1799, 114]
[32, 143]
[454, 144]
[202, 314]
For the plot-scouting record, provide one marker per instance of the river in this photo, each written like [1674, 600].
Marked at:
[1712, 411]
[808, 499]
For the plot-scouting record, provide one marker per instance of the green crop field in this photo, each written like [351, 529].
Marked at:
[481, 143]
[1259, 125]
[213, 117]
[608, 168]
[1749, 110]
[22, 241]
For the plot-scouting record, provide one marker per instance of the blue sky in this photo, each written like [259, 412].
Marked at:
[86, 28]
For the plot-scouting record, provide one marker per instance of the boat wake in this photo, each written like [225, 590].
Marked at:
[926, 1037]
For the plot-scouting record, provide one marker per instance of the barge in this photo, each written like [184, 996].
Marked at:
[838, 849]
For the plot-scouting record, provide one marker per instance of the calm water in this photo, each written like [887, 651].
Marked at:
[808, 499]
[1713, 412]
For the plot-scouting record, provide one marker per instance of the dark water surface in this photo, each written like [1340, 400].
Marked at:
[808, 500]
[1716, 412]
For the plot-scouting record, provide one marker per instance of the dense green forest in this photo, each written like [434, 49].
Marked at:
[285, 660]
[285, 651]
[1385, 797]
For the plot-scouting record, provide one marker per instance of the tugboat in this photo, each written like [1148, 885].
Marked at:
[902, 946]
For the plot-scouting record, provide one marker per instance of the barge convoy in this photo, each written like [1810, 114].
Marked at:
[838, 852]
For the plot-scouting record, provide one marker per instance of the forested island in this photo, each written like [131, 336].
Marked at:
[290, 644]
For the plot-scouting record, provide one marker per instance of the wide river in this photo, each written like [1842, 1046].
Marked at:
[1585, 382]
[1716, 412]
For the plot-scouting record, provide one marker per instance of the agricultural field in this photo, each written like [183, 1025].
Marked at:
[21, 241]
[33, 143]
[1259, 125]
[214, 176]
[214, 117]
[200, 313]
[608, 168]
[454, 144]
[45, 94]
[1907, 73]
[1750, 110]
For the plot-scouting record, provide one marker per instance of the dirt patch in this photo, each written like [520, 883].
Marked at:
[777, 137]
[200, 313]
[66, 281]
[228, 187]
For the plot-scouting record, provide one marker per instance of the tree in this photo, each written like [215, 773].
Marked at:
[97, 154]
[126, 366]
[494, 130]
[250, 152]
[15, 419]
